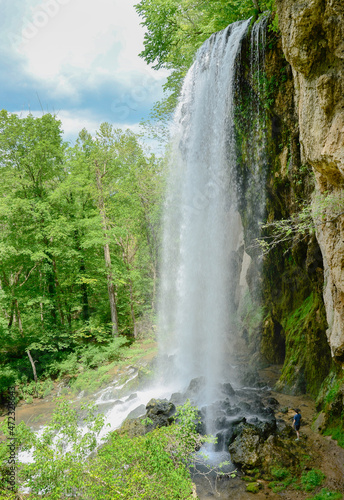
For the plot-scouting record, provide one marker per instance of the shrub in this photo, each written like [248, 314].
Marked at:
[327, 495]
[312, 479]
[280, 474]
[282, 478]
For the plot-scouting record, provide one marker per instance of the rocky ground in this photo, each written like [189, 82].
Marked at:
[324, 452]
[315, 451]
[257, 423]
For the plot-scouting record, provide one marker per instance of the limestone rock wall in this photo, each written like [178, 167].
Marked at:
[292, 327]
[313, 44]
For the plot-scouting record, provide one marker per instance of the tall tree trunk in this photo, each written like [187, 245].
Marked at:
[83, 286]
[256, 5]
[107, 255]
[69, 314]
[84, 293]
[33, 365]
[132, 307]
[41, 303]
[51, 287]
[12, 318]
[57, 287]
[111, 290]
[20, 326]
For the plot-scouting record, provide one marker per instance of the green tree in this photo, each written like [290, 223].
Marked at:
[31, 162]
[79, 244]
[120, 190]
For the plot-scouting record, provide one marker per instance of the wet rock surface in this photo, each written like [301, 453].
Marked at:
[160, 413]
[280, 448]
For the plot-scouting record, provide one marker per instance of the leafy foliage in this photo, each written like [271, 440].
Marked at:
[326, 208]
[311, 479]
[282, 479]
[325, 494]
[152, 466]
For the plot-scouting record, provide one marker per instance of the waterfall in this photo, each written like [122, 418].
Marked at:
[203, 275]
[203, 235]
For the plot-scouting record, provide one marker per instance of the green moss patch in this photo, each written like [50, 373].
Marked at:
[253, 487]
[308, 357]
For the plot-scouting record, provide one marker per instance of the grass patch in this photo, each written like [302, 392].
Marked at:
[93, 379]
[40, 389]
[135, 353]
[325, 494]
[282, 479]
[309, 481]
[312, 479]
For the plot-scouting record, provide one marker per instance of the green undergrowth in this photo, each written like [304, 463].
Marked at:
[87, 369]
[149, 467]
[312, 479]
[325, 494]
[330, 402]
[336, 432]
[284, 478]
[93, 378]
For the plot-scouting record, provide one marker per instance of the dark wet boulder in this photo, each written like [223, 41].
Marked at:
[267, 427]
[272, 402]
[177, 398]
[245, 449]
[137, 412]
[228, 389]
[221, 422]
[160, 412]
[245, 407]
[195, 388]
[226, 405]
[261, 444]
[220, 441]
[232, 411]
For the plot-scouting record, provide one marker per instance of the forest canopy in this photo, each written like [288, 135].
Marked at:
[79, 242]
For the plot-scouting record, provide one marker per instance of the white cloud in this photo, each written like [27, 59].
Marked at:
[80, 57]
[63, 40]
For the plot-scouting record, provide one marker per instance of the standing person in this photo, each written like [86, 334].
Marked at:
[297, 422]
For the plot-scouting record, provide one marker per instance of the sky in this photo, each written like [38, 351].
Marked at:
[77, 59]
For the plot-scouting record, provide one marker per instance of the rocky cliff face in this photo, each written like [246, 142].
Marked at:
[313, 44]
[293, 330]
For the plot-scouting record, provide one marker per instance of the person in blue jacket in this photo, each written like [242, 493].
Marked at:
[297, 422]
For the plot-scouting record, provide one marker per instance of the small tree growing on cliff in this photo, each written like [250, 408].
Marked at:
[326, 208]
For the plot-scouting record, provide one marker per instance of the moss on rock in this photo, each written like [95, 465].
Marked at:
[253, 487]
[308, 357]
